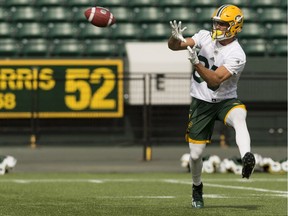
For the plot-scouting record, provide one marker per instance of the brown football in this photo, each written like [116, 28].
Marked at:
[99, 16]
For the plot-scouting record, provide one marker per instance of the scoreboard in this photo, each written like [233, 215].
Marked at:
[61, 88]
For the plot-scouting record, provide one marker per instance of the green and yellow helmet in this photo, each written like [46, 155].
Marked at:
[230, 15]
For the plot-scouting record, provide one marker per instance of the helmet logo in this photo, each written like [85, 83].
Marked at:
[238, 18]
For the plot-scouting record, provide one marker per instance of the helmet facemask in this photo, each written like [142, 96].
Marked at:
[220, 30]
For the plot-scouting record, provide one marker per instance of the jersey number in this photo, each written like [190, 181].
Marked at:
[206, 64]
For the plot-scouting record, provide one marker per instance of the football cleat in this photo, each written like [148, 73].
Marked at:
[197, 195]
[248, 162]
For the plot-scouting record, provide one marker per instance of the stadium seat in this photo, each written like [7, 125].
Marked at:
[113, 3]
[10, 3]
[203, 3]
[272, 15]
[184, 14]
[193, 28]
[172, 3]
[100, 48]
[203, 15]
[126, 31]
[78, 14]
[148, 14]
[7, 30]
[141, 3]
[49, 3]
[4, 14]
[252, 30]
[90, 31]
[9, 48]
[278, 47]
[250, 15]
[62, 30]
[31, 30]
[156, 31]
[55, 14]
[79, 3]
[277, 30]
[25, 14]
[283, 3]
[35, 47]
[67, 48]
[263, 3]
[122, 14]
[255, 47]
[239, 3]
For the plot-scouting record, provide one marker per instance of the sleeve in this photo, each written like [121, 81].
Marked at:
[199, 37]
[235, 62]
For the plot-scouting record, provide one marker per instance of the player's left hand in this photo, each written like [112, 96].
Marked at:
[177, 30]
[193, 55]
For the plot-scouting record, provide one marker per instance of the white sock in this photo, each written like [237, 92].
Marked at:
[237, 119]
[196, 162]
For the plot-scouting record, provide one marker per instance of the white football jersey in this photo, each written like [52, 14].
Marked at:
[213, 55]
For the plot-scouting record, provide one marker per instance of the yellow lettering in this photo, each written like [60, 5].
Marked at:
[46, 79]
[7, 78]
[24, 79]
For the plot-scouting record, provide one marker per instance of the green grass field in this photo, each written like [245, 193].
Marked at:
[140, 194]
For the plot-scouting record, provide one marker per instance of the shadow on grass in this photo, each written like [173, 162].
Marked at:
[246, 207]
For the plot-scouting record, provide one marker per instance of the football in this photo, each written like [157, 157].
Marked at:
[99, 16]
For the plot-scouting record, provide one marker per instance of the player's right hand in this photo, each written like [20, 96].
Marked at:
[177, 30]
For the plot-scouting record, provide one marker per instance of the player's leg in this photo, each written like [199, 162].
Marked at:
[196, 164]
[236, 117]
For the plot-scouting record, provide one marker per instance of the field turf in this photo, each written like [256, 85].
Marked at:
[137, 194]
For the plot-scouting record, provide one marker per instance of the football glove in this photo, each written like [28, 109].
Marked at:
[193, 55]
[177, 30]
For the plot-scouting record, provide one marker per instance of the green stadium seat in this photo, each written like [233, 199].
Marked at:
[31, 30]
[67, 48]
[90, 31]
[100, 48]
[250, 15]
[277, 30]
[141, 3]
[252, 30]
[55, 14]
[263, 3]
[4, 14]
[272, 15]
[122, 14]
[156, 31]
[79, 3]
[126, 31]
[25, 14]
[254, 47]
[193, 28]
[113, 3]
[184, 14]
[9, 48]
[78, 14]
[172, 3]
[278, 47]
[283, 3]
[148, 14]
[35, 47]
[10, 3]
[203, 3]
[49, 3]
[6, 30]
[203, 15]
[62, 30]
[239, 3]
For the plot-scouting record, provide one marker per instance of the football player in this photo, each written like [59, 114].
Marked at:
[217, 68]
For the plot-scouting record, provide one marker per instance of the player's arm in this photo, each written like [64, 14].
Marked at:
[212, 78]
[177, 41]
